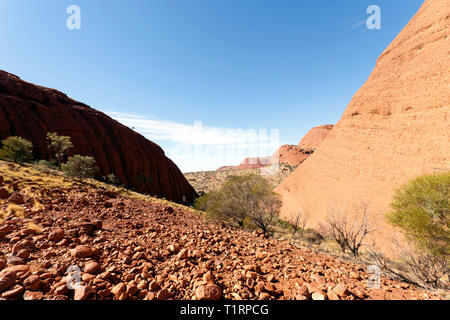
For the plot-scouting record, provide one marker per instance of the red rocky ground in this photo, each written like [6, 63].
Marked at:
[139, 249]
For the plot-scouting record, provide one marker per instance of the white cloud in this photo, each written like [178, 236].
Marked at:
[197, 147]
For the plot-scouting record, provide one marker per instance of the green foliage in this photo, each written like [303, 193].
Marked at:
[80, 167]
[112, 179]
[246, 200]
[16, 149]
[46, 164]
[421, 209]
[59, 147]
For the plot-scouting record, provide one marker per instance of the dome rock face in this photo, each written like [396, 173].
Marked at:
[396, 127]
[315, 136]
[30, 111]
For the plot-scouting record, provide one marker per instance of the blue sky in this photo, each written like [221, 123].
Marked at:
[233, 65]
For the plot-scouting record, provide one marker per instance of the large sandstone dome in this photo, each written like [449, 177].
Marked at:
[31, 111]
[396, 127]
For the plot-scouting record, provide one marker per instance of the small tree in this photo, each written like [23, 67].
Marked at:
[263, 204]
[59, 147]
[16, 149]
[80, 167]
[299, 221]
[242, 199]
[421, 209]
[349, 227]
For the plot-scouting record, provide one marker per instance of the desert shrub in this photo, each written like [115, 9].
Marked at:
[246, 200]
[421, 209]
[348, 226]
[298, 222]
[80, 167]
[415, 266]
[59, 147]
[312, 236]
[16, 149]
[46, 164]
[112, 179]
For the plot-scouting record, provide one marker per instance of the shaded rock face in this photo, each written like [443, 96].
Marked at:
[31, 111]
[315, 136]
[396, 127]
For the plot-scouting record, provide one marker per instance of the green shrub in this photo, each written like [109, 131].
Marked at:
[421, 209]
[46, 164]
[80, 167]
[16, 149]
[59, 147]
[246, 200]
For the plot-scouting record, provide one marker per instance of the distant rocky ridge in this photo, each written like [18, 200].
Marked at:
[289, 155]
[204, 181]
[30, 111]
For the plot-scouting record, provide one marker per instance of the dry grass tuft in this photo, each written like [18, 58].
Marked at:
[15, 210]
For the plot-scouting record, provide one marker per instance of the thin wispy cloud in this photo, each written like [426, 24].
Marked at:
[198, 147]
[155, 129]
[358, 24]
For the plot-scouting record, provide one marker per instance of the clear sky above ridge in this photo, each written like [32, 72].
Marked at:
[159, 66]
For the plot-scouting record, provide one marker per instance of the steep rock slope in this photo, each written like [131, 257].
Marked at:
[396, 127]
[31, 111]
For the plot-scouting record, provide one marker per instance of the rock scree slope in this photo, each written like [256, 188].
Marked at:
[396, 127]
[127, 246]
[30, 111]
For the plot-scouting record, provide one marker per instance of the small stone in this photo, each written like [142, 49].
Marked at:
[163, 295]
[259, 255]
[118, 289]
[318, 296]
[332, 295]
[82, 292]
[153, 285]
[13, 293]
[7, 278]
[304, 291]
[32, 283]
[16, 198]
[209, 277]
[208, 292]
[33, 295]
[92, 267]
[61, 290]
[264, 296]
[56, 235]
[132, 289]
[82, 252]
[341, 290]
[173, 248]
[183, 254]
[4, 194]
